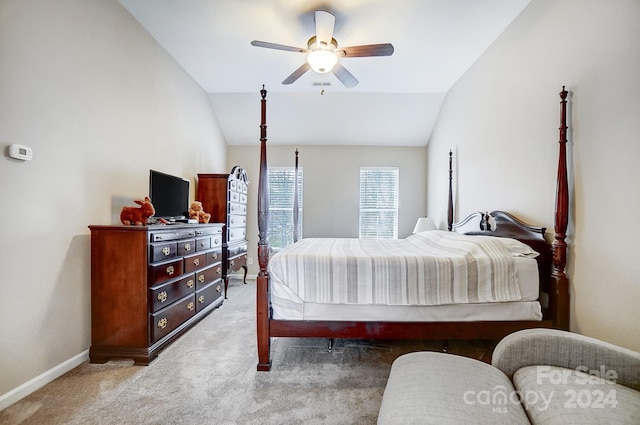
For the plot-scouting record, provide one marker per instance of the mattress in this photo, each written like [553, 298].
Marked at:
[428, 268]
[289, 305]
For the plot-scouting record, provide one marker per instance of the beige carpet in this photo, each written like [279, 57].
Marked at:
[209, 376]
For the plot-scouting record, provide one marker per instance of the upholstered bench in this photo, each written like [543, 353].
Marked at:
[537, 376]
[438, 388]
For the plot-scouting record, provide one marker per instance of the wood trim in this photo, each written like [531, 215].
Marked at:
[400, 330]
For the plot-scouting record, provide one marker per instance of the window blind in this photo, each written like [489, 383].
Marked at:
[379, 202]
[281, 191]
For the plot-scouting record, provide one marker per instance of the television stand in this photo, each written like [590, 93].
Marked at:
[149, 285]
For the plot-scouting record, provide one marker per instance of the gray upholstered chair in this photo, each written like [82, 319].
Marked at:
[538, 376]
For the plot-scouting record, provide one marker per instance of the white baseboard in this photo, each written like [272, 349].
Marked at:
[43, 379]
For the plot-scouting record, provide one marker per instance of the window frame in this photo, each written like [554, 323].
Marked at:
[284, 233]
[390, 204]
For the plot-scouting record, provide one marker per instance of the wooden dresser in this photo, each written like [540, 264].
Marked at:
[224, 196]
[149, 284]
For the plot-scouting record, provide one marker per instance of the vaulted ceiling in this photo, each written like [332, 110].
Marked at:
[397, 99]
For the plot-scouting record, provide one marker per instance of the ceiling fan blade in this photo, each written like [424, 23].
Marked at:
[385, 49]
[325, 23]
[344, 76]
[297, 73]
[268, 45]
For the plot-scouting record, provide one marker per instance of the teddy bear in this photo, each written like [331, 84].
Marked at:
[196, 212]
[137, 215]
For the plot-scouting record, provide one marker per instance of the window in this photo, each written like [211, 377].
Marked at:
[379, 202]
[281, 190]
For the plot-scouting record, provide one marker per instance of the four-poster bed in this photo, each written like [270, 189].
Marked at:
[414, 314]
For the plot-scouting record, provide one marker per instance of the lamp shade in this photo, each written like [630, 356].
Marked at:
[322, 61]
[423, 224]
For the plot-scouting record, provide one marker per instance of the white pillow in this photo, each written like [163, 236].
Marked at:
[518, 249]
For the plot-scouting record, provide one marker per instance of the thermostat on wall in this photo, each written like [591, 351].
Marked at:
[21, 152]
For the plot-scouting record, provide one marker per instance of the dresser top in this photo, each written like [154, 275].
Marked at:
[153, 227]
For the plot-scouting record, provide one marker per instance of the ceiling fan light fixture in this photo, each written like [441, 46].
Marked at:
[323, 54]
[322, 61]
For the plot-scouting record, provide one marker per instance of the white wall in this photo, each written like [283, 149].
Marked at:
[331, 185]
[100, 103]
[502, 118]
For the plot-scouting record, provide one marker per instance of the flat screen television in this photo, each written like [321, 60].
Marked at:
[169, 196]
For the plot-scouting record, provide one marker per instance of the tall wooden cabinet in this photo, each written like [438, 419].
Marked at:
[149, 284]
[224, 196]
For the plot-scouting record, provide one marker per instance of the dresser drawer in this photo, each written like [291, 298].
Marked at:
[167, 293]
[165, 271]
[236, 263]
[235, 249]
[186, 247]
[163, 251]
[237, 221]
[195, 262]
[216, 241]
[208, 295]
[234, 196]
[236, 208]
[214, 256]
[169, 318]
[208, 275]
[170, 235]
[203, 244]
[236, 234]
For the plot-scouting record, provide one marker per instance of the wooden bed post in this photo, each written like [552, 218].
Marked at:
[450, 206]
[559, 292]
[262, 282]
[295, 201]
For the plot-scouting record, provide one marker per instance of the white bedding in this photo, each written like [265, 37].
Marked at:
[289, 305]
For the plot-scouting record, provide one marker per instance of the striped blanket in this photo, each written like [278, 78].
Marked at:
[429, 268]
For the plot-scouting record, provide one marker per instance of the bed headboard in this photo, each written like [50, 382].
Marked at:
[505, 225]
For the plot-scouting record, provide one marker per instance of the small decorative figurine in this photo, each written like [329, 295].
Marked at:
[137, 216]
[196, 212]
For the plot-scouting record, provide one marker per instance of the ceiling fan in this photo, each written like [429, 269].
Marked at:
[323, 53]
